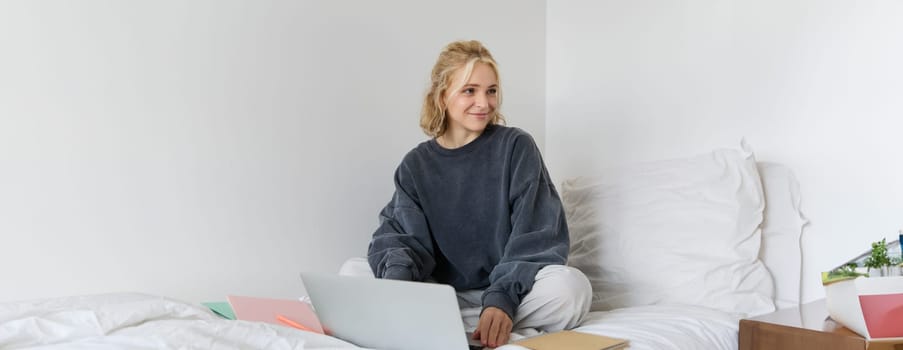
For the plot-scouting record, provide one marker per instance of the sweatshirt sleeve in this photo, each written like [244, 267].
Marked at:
[539, 234]
[401, 247]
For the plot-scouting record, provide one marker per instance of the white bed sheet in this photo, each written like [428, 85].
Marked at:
[139, 321]
[664, 327]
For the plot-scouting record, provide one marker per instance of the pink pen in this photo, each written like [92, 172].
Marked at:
[291, 323]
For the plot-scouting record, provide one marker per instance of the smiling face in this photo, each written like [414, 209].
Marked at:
[472, 104]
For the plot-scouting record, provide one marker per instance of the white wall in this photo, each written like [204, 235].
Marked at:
[814, 84]
[203, 148]
[194, 149]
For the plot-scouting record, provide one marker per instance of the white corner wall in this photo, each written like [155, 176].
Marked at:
[194, 149]
[813, 84]
[204, 148]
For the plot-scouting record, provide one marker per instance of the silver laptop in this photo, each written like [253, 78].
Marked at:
[386, 314]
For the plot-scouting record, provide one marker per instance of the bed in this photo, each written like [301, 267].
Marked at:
[738, 222]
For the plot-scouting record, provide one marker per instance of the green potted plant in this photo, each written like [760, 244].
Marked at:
[878, 260]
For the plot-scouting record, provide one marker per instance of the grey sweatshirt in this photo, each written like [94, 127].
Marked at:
[482, 216]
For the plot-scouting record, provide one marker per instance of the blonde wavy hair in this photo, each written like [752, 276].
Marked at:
[456, 55]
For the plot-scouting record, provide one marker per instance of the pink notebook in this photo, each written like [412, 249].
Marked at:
[292, 312]
[883, 314]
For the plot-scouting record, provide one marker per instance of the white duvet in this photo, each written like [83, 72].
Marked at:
[138, 321]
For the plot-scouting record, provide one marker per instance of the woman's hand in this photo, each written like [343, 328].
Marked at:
[494, 327]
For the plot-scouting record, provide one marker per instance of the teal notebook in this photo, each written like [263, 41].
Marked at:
[221, 308]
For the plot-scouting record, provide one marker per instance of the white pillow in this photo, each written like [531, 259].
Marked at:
[682, 231]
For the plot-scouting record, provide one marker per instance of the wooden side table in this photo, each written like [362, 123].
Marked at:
[806, 327]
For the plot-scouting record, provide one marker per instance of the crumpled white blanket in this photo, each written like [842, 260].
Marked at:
[140, 321]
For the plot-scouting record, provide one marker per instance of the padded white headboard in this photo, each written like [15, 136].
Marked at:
[782, 227]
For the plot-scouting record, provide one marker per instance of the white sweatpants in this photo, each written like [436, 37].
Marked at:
[559, 300]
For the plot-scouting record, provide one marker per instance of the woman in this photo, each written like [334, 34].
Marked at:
[474, 208]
